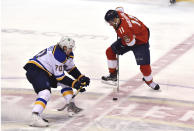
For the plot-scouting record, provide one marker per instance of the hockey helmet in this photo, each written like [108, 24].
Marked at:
[68, 42]
[110, 15]
[121, 9]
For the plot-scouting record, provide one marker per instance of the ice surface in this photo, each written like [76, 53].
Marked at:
[30, 26]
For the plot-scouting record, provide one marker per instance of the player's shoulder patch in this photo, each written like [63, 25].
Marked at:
[59, 54]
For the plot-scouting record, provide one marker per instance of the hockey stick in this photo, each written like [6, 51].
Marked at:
[117, 88]
[117, 73]
[118, 69]
[62, 108]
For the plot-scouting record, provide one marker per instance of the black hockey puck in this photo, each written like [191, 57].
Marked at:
[114, 99]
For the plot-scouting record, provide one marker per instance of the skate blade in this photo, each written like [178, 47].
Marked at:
[113, 83]
[33, 125]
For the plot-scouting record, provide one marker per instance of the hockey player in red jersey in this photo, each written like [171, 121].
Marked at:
[132, 35]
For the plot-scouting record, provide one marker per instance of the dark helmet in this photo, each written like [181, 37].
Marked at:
[110, 15]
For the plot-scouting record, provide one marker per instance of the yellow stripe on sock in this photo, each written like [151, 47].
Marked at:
[40, 103]
[67, 93]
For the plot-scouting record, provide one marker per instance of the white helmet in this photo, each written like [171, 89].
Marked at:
[68, 42]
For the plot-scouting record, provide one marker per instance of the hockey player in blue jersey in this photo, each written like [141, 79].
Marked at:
[46, 70]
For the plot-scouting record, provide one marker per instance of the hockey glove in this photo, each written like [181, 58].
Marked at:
[78, 85]
[85, 80]
[118, 48]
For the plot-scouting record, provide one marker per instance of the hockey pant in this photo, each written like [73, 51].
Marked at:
[141, 53]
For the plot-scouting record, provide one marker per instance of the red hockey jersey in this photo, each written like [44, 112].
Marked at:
[131, 30]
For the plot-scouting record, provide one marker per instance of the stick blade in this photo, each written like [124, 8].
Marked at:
[114, 98]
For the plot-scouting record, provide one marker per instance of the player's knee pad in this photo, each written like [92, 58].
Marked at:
[45, 94]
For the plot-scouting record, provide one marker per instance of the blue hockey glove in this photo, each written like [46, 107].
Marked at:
[85, 80]
[77, 85]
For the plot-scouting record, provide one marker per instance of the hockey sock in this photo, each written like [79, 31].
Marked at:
[67, 94]
[146, 71]
[112, 60]
[41, 101]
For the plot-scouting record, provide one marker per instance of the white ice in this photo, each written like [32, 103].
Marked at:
[28, 26]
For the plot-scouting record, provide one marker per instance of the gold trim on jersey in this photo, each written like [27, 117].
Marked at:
[53, 52]
[60, 78]
[54, 49]
[65, 61]
[40, 66]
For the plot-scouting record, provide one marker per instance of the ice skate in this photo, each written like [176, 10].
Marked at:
[172, 2]
[153, 85]
[73, 110]
[110, 80]
[37, 121]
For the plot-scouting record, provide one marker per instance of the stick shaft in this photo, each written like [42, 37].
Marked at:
[117, 73]
[117, 69]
